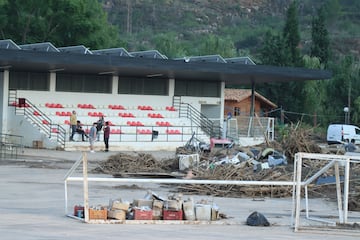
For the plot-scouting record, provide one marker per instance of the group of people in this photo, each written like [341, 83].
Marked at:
[94, 133]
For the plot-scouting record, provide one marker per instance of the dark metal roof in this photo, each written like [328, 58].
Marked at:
[44, 47]
[113, 51]
[207, 58]
[148, 54]
[69, 62]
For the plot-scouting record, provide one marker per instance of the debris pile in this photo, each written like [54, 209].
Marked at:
[259, 163]
[154, 207]
[126, 163]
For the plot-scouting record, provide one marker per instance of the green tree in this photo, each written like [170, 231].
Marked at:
[291, 35]
[332, 10]
[342, 89]
[213, 44]
[64, 23]
[320, 38]
[274, 51]
[283, 50]
[169, 44]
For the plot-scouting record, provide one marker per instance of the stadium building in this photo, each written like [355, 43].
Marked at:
[151, 102]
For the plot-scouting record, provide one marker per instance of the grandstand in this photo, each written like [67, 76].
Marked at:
[152, 102]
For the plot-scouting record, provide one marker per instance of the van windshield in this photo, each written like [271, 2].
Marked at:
[357, 131]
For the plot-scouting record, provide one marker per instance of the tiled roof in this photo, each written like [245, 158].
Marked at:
[239, 95]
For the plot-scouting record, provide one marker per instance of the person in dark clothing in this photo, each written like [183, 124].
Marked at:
[80, 130]
[106, 136]
[99, 126]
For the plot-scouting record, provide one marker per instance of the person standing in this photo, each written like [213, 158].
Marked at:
[92, 137]
[99, 126]
[73, 124]
[106, 135]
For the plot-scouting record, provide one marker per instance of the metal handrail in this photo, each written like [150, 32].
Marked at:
[38, 118]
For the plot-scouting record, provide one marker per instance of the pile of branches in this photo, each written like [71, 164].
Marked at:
[244, 173]
[298, 139]
[127, 163]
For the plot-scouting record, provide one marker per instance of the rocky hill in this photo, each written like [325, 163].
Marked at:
[245, 22]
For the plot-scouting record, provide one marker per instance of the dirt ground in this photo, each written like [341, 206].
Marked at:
[32, 206]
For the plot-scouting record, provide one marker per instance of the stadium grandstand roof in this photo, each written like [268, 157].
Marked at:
[79, 59]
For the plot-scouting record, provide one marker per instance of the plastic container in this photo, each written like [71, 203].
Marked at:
[203, 212]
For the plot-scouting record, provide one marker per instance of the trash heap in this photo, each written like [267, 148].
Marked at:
[153, 207]
[272, 161]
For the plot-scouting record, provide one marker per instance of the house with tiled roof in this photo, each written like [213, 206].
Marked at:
[238, 103]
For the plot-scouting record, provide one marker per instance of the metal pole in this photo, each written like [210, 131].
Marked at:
[66, 196]
[298, 191]
[306, 202]
[86, 188]
[346, 189]
[338, 192]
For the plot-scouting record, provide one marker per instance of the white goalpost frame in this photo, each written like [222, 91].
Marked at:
[85, 179]
[342, 201]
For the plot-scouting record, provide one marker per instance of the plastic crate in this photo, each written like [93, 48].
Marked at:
[98, 214]
[142, 215]
[172, 215]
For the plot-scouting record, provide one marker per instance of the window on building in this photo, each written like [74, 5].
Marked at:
[197, 88]
[37, 81]
[143, 86]
[237, 111]
[83, 83]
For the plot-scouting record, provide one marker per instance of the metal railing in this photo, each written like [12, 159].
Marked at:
[37, 118]
[197, 118]
[10, 145]
[125, 133]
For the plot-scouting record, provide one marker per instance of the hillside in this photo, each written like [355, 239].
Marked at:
[144, 24]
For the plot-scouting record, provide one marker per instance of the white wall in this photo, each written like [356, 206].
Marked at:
[38, 97]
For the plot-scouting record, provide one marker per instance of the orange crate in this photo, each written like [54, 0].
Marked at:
[142, 215]
[98, 214]
[172, 215]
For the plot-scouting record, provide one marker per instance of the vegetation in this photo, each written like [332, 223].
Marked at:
[323, 34]
[63, 23]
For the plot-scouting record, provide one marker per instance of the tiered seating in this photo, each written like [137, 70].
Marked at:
[148, 108]
[144, 131]
[126, 115]
[155, 115]
[121, 118]
[96, 114]
[116, 131]
[53, 105]
[163, 124]
[116, 107]
[63, 114]
[173, 131]
[86, 106]
[170, 108]
[134, 123]
[15, 104]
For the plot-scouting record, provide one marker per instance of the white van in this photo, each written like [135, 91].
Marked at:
[338, 133]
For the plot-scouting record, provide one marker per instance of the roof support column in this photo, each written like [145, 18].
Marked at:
[4, 89]
[115, 85]
[52, 86]
[252, 110]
